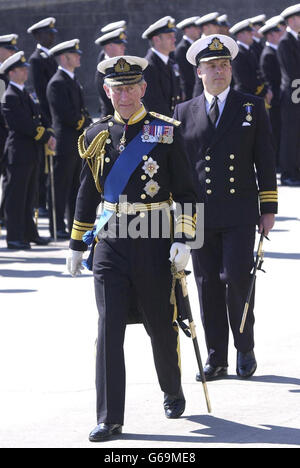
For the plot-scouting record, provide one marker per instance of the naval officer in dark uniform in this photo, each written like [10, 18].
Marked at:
[70, 117]
[257, 46]
[289, 59]
[163, 90]
[245, 68]
[26, 139]
[228, 137]
[8, 47]
[191, 32]
[138, 155]
[42, 68]
[113, 44]
[271, 73]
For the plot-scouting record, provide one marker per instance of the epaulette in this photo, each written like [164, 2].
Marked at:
[103, 119]
[165, 118]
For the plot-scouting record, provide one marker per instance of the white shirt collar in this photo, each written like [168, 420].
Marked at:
[164, 58]
[71, 74]
[270, 44]
[188, 39]
[20, 87]
[291, 31]
[243, 44]
[222, 96]
[44, 49]
[256, 39]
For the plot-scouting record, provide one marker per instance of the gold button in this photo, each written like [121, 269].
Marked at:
[232, 156]
[231, 168]
[143, 196]
[142, 215]
[145, 157]
[207, 169]
[208, 191]
[143, 177]
[107, 160]
[146, 122]
[110, 124]
[208, 181]
[208, 158]
[231, 179]
[108, 141]
[232, 190]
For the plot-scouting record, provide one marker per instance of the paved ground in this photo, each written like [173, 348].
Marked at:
[47, 333]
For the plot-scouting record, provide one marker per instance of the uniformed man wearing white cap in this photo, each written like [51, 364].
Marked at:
[69, 117]
[228, 141]
[28, 133]
[270, 70]
[137, 155]
[8, 47]
[42, 68]
[191, 32]
[245, 68]
[224, 25]
[258, 44]
[289, 58]
[209, 25]
[113, 42]
[163, 91]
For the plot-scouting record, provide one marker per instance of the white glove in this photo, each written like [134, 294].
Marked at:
[74, 262]
[180, 255]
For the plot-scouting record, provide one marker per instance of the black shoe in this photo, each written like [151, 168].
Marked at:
[212, 373]
[290, 182]
[62, 235]
[40, 240]
[246, 364]
[18, 245]
[104, 431]
[174, 405]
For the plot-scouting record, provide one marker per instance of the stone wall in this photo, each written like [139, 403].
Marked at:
[83, 19]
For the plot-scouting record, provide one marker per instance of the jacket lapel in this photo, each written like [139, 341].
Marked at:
[204, 128]
[230, 112]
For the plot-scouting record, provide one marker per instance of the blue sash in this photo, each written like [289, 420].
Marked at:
[117, 180]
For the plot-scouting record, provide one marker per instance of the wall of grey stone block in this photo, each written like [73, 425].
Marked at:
[83, 19]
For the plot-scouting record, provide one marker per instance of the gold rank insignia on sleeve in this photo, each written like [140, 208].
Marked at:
[165, 118]
[186, 225]
[79, 229]
[270, 196]
[40, 132]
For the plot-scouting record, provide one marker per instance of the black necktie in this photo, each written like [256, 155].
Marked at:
[214, 111]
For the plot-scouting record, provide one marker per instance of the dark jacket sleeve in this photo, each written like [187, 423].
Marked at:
[154, 100]
[62, 106]
[18, 121]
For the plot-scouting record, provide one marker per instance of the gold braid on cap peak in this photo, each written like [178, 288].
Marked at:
[94, 154]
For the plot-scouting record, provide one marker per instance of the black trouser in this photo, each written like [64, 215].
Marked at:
[67, 170]
[222, 270]
[290, 139]
[21, 190]
[125, 269]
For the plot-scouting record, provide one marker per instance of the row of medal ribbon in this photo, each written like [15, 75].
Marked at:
[158, 133]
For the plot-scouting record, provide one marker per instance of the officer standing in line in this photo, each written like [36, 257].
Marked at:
[245, 68]
[224, 25]
[162, 93]
[228, 137]
[271, 74]
[209, 25]
[42, 68]
[69, 118]
[289, 59]
[258, 43]
[141, 157]
[191, 32]
[26, 137]
[8, 47]
[113, 44]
